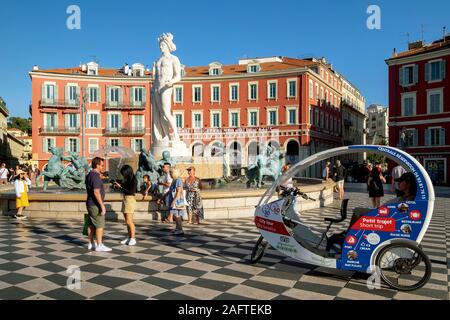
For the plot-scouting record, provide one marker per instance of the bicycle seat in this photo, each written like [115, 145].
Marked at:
[343, 212]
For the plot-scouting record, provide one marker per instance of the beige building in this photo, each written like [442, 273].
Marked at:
[353, 119]
[26, 155]
[11, 147]
[377, 124]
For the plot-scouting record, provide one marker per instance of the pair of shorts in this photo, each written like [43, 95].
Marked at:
[340, 184]
[178, 213]
[129, 204]
[95, 217]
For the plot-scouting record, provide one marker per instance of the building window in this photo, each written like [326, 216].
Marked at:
[214, 72]
[138, 122]
[72, 120]
[322, 94]
[272, 90]
[179, 120]
[311, 115]
[178, 97]
[49, 93]
[93, 120]
[311, 89]
[137, 144]
[215, 93]
[197, 96]
[234, 119]
[114, 95]
[197, 121]
[317, 91]
[253, 118]
[51, 120]
[435, 71]
[93, 145]
[253, 91]
[435, 136]
[114, 121]
[291, 116]
[327, 123]
[93, 94]
[114, 142]
[234, 92]
[408, 104]
[272, 118]
[409, 75]
[253, 68]
[48, 144]
[321, 120]
[72, 94]
[73, 145]
[292, 88]
[435, 101]
[138, 95]
[215, 119]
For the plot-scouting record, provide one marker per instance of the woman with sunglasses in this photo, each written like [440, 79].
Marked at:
[193, 185]
[21, 185]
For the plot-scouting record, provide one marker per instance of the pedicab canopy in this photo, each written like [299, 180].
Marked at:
[395, 221]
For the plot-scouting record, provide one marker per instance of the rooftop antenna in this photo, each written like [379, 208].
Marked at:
[94, 58]
[444, 32]
[407, 37]
[422, 27]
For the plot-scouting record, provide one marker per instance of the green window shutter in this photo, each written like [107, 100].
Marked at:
[66, 93]
[144, 96]
[443, 69]
[44, 145]
[416, 74]
[66, 120]
[132, 95]
[427, 137]
[427, 72]
[77, 98]
[66, 144]
[442, 138]
[107, 94]
[78, 121]
[56, 92]
[401, 76]
[120, 121]
[108, 121]
[44, 94]
[120, 95]
[99, 94]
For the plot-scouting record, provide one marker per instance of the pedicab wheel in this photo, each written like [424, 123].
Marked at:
[258, 250]
[403, 266]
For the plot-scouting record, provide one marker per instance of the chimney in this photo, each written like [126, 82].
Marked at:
[394, 54]
[126, 68]
[35, 68]
[415, 45]
[83, 67]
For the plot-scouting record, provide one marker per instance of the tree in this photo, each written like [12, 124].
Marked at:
[20, 123]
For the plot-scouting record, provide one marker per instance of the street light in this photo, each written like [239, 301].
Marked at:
[83, 120]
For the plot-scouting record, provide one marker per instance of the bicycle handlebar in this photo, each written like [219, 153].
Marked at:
[296, 192]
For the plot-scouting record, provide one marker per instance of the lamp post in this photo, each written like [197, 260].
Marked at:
[83, 120]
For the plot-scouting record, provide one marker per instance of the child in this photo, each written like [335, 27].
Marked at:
[21, 184]
[149, 187]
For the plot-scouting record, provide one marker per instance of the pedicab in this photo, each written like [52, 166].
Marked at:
[384, 242]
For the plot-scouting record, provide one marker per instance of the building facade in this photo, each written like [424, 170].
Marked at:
[377, 124]
[353, 119]
[419, 116]
[290, 104]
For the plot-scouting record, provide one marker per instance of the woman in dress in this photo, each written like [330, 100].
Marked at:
[177, 203]
[21, 184]
[193, 185]
[375, 183]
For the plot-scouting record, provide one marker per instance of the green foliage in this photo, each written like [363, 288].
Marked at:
[19, 123]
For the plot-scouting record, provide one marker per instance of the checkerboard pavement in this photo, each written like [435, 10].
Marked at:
[210, 262]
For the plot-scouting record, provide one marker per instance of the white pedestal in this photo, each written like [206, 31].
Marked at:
[176, 149]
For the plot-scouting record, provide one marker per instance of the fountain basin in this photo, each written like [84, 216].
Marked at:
[218, 203]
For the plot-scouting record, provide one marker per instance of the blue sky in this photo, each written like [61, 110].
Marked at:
[115, 32]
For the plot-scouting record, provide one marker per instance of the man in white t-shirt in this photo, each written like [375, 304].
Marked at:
[397, 172]
[4, 174]
[166, 182]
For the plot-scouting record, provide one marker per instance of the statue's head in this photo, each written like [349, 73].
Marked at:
[166, 42]
[166, 155]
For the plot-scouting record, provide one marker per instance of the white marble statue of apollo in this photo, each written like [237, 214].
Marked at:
[166, 72]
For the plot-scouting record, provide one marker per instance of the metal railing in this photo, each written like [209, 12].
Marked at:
[59, 130]
[124, 131]
[121, 106]
[59, 103]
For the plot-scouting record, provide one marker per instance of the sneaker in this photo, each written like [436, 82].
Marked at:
[102, 248]
[132, 242]
[178, 232]
[92, 246]
[125, 241]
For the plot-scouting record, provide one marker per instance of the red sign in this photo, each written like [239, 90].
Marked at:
[271, 226]
[415, 215]
[375, 224]
[383, 211]
[351, 240]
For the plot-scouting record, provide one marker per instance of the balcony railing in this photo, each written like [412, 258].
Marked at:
[124, 131]
[60, 130]
[124, 106]
[55, 103]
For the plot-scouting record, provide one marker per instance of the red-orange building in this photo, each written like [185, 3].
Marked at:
[419, 91]
[285, 102]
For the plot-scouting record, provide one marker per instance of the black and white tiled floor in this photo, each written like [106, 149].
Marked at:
[209, 262]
